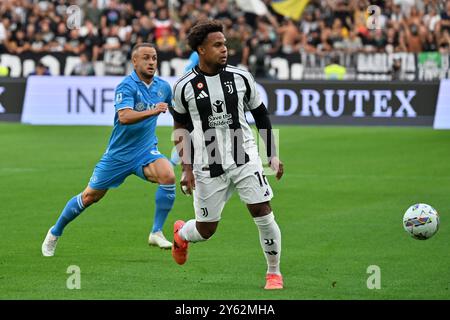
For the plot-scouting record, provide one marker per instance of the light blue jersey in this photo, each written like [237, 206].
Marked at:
[131, 146]
[129, 141]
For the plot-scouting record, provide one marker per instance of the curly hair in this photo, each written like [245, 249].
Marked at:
[200, 31]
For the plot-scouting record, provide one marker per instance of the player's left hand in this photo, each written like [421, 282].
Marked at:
[277, 166]
[160, 107]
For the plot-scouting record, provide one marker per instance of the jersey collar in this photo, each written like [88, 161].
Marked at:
[199, 71]
[135, 77]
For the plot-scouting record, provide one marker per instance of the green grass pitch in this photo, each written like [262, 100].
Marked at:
[339, 206]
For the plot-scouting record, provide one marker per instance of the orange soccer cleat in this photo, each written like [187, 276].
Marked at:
[180, 246]
[274, 281]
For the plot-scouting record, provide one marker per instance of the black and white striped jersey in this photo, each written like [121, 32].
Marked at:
[216, 105]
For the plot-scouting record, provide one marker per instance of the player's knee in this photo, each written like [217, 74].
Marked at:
[166, 178]
[90, 198]
[260, 209]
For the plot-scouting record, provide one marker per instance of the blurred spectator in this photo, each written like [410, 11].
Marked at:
[19, 43]
[4, 26]
[335, 71]
[405, 6]
[412, 37]
[57, 44]
[360, 17]
[4, 71]
[334, 38]
[290, 37]
[444, 23]
[342, 11]
[430, 44]
[162, 23]
[396, 69]
[308, 24]
[111, 38]
[353, 43]
[92, 12]
[74, 43]
[84, 68]
[311, 41]
[431, 19]
[224, 14]
[167, 41]
[392, 41]
[40, 70]
[444, 43]
[45, 30]
[111, 15]
[91, 40]
[234, 45]
[258, 49]
[114, 51]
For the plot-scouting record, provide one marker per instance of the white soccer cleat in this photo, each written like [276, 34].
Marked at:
[49, 244]
[158, 239]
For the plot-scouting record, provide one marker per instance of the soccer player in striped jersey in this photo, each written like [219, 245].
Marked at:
[211, 100]
[132, 149]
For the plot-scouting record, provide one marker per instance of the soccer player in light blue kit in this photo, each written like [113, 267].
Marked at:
[132, 149]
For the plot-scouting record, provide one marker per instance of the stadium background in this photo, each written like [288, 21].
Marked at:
[346, 187]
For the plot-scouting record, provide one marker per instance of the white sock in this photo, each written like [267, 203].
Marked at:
[190, 233]
[270, 239]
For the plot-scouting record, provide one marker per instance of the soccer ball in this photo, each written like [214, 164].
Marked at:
[421, 221]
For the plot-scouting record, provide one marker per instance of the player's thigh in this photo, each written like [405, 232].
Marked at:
[251, 183]
[160, 171]
[109, 173]
[210, 196]
[154, 167]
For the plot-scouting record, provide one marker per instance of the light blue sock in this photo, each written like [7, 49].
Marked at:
[72, 210]
[164, 199]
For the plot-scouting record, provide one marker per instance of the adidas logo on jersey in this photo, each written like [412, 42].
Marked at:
[202, 95]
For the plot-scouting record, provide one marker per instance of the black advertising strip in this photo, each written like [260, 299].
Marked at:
[351, 102]
[12, 93]
[228, 309]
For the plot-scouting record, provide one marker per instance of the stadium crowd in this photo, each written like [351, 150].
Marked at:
[326, 26]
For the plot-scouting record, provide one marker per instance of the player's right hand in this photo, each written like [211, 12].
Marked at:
[160, 107]
[187, 182]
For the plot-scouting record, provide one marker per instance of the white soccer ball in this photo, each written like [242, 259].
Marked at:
[421, 221]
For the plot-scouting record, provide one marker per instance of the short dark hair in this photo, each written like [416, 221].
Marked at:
[200, 31]
[142, 44]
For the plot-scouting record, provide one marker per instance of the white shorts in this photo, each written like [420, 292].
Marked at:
[211, 194]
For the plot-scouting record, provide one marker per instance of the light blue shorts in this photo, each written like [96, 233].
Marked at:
[111, 173]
